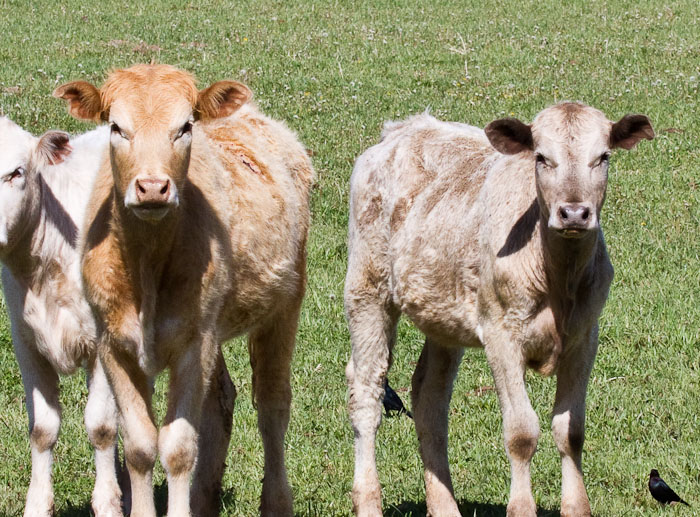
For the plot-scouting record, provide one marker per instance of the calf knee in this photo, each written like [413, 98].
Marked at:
[522, 442]
[140, 451]
[43, 436]
[102, 436]
[177, 444]
[568, 434]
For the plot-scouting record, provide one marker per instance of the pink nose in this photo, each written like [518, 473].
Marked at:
[152, 191]
[574, 216]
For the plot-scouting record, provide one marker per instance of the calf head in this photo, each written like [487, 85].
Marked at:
[22, 157]
[570, 146]
[151, 110]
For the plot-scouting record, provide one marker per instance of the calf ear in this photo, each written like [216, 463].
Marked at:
[629, 130]
[221, 99]
[83, 100]
[54, 147]
[509, 136]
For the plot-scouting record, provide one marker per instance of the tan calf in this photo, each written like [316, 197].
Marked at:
[196, 233]
[499, 248]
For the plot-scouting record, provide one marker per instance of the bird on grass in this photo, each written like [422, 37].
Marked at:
[392, 402]
[661, 491]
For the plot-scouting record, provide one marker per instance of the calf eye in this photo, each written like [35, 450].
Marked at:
[117, 130]
[184, 130]
[602, 160]
[17, 173]
[540, 159]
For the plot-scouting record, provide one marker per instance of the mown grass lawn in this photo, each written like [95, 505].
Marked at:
[335, 71]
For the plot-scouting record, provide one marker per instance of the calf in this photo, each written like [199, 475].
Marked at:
[43, 191]
[499, 248]
[196, 233]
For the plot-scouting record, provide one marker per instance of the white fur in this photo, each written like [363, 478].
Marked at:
[53, 329]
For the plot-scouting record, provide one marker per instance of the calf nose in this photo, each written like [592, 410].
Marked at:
[152, 190]
[574, 216]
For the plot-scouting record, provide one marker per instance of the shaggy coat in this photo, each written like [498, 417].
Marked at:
[44, 184]
[483, 239]
[196, 233]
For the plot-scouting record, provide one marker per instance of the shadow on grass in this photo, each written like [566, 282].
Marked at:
[466, 508]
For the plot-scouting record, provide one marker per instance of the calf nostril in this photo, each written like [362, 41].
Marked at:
[165, 187]
[563, 212]
[585, 213]
[140, 187]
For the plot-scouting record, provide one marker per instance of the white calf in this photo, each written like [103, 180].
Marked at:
[44, 187]
[483, 239]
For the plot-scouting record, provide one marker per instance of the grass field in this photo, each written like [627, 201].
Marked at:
[335, 71]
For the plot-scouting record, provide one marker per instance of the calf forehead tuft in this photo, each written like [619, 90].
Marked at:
[569, 120]
[166, 80]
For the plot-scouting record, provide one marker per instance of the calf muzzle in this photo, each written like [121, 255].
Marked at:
[574, 220]
[151, 198]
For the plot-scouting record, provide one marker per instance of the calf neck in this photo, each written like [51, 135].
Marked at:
[483, 239]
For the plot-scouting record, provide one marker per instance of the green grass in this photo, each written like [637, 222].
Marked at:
[335, 71]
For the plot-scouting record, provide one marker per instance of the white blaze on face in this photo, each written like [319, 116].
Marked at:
[16, 148]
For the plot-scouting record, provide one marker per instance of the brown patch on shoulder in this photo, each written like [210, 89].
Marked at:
[371, 211]
[435, 197]
[398, 215]
[466, 183]
[236, 154]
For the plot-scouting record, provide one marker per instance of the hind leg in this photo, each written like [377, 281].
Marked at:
[431, 392]
[271, 347]
[213, 440]
[372, 325]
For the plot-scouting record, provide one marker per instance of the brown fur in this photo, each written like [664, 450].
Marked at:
[228, 257]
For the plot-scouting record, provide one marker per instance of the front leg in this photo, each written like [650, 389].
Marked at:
[101, 424]
[190, 376]
[41, 389]
[568, 420]
[520, 424]
[132, 391]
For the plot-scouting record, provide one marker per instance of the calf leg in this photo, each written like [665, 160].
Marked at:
[373, 333]
[271, 348]
[520, 424]
[101, 425]
[177, 442]
[432, 389]
[568, 420]
[214, 435]
[132, 391]
[41, 388]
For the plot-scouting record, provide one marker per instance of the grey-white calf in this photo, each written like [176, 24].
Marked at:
[499, 248]
[43, 195]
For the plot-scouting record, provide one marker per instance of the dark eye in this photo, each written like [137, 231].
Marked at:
[540, 159]
[184, 130]
[604, 158]
[17, 173]
[117, 130]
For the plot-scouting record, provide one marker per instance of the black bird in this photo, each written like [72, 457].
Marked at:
[661, 491]
[392, 402]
